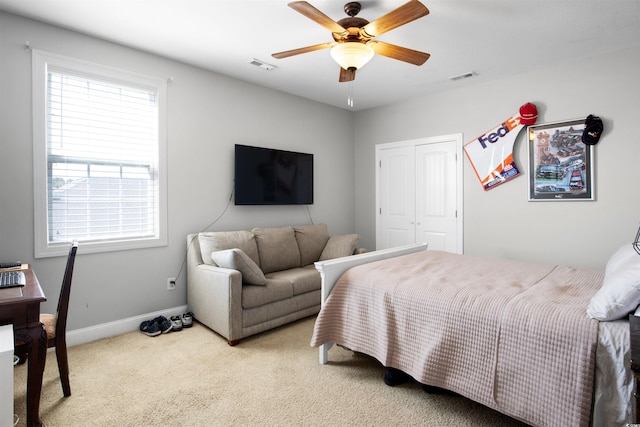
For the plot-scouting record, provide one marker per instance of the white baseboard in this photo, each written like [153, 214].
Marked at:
[117, 327]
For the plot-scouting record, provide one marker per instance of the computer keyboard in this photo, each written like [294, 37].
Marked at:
[10, 264]
[10, 279]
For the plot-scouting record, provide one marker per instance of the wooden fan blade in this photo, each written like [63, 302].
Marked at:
[315, 15]
[397, 52]
[347, 75]
[404, 14]
[288, 53]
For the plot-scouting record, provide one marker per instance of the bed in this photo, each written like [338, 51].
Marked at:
[511, 335]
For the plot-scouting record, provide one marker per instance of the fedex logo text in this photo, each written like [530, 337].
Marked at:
[499, 132]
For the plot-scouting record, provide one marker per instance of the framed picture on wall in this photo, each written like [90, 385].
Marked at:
[560, 164]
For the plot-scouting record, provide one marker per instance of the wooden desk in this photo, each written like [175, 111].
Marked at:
[20, 306]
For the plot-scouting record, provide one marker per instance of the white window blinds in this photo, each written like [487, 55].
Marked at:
[103, 151]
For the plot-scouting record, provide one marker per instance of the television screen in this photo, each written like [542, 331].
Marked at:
[265, 176]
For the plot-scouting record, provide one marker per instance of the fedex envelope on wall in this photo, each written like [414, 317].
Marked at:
[491, 154]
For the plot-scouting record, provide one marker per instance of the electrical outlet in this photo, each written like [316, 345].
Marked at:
[171, 284]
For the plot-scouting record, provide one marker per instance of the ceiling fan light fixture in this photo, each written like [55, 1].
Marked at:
[351, 54]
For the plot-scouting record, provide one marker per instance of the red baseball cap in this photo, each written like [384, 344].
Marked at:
[528, 114]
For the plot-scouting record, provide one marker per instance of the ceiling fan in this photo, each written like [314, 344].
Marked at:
[354, 43]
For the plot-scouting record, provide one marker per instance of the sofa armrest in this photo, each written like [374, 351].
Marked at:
[214, 294]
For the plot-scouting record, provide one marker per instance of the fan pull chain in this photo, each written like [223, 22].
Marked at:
[350, 95]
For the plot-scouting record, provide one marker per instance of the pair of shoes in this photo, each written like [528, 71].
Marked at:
[151, 328]
[187, 319]
[176, 323]
[155, 327]
[163, 323]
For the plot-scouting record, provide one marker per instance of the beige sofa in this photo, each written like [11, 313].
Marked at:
[240, 283]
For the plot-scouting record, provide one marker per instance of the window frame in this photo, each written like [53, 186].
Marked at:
[40, 62]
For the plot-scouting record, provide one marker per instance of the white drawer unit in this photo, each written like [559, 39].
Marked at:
[6, 375]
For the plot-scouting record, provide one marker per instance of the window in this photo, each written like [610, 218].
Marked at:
[99, 157]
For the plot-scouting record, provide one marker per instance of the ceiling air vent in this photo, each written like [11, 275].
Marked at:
[262, 64]
[463, 76]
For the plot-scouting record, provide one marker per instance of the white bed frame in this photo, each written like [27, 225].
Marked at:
[331, 270]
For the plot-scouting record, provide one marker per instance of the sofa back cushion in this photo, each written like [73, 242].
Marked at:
[311, 241]
[214, 241]
[277, 248]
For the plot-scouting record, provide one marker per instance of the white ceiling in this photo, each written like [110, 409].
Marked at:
[493, 38]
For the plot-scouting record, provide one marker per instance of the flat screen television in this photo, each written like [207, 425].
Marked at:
[266, 176]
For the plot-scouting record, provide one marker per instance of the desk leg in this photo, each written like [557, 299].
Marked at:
[36, 339]
[636, 395]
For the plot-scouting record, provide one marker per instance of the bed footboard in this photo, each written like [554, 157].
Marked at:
[331, 270]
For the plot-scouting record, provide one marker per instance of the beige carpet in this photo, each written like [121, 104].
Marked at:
[193, 378]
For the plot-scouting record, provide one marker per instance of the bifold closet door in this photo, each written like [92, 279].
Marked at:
[436, 196]
[396, 191]
[418, 194]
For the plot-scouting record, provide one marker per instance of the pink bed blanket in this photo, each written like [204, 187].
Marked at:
[511, 335]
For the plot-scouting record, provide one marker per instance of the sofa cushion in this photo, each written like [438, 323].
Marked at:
[303, 279]
[273, 290]
[214, 241]
[311, 240]
[277, 248]
[236, 259]
[339, 246]
[269, 316]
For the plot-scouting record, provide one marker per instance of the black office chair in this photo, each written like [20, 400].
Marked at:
[56, 326]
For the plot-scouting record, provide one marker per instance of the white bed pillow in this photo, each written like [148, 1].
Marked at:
[619, 258]
[236, 259]
[620, 291]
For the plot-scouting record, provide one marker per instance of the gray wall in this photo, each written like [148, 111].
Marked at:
[501, 222]
[207, 114]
